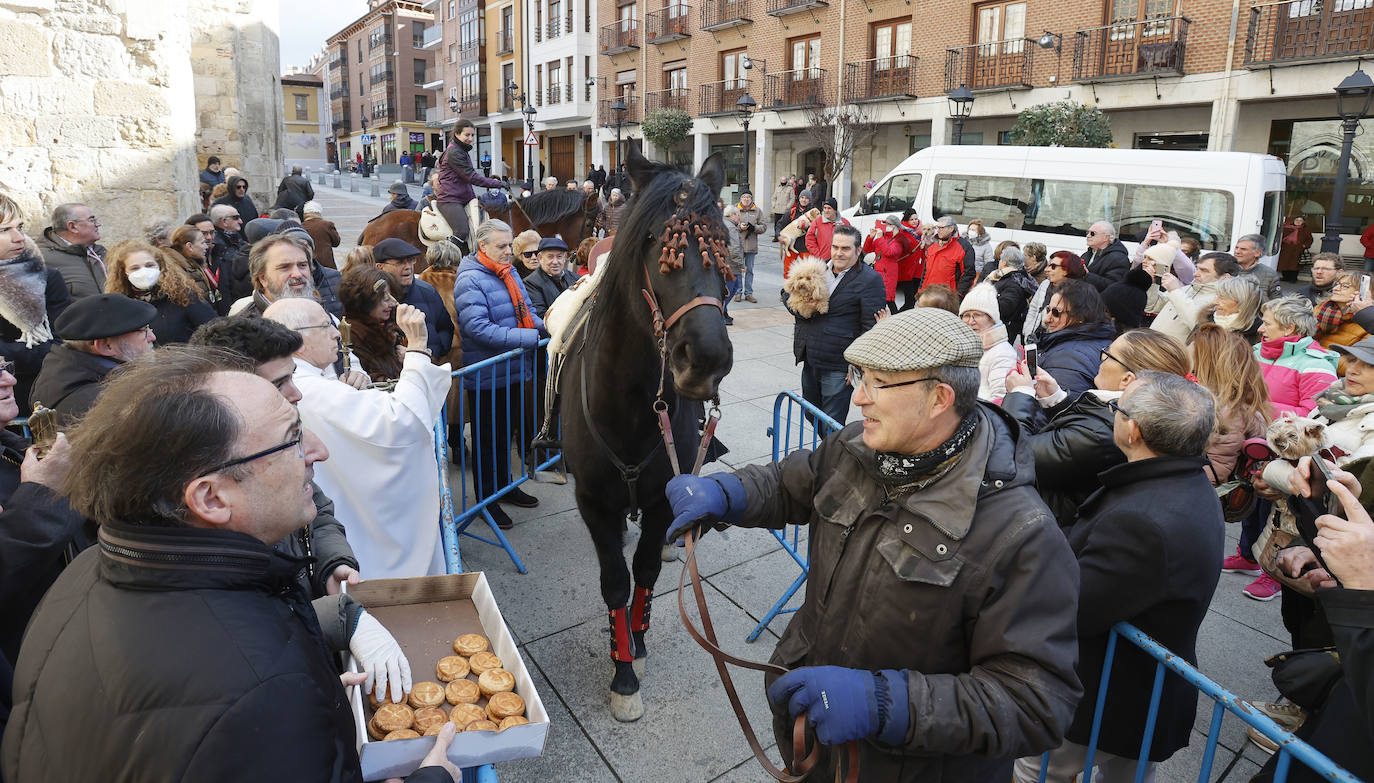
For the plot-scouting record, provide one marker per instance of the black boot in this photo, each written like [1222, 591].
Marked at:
[461, 242]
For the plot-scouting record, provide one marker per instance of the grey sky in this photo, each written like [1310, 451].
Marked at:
[305, 24]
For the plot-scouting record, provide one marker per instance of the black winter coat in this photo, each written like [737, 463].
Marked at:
[437, 320]
[209, 664]
[1108, 265]
[247, 209]
[1073, 354]
[293, 191]
[28, 361]
[1070, 449]
[1014, 292]
[1147, 544]
[324, 541]
[175, 324]
[821, 340]
[70, 381]
[543, 289]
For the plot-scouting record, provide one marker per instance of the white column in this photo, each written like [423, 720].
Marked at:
[842, 188]
[701, 149]
[941, 131]
[1221, 135]
[762, 177]
[498, 152]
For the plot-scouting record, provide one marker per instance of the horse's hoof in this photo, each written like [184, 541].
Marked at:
[668, 553]
[638, 667]
[627, 709]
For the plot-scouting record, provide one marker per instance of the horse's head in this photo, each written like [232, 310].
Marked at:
[675, 231]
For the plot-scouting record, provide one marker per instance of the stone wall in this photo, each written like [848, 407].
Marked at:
[96, 104]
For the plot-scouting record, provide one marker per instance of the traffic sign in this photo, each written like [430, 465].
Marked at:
[530, 140]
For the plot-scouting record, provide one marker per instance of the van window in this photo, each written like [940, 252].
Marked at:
[1063, 207]
[1203, 214]
[1272, 221]
[895, 195]
[1001, 202]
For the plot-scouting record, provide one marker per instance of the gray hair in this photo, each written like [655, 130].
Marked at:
[296, 169]
[221, 211]
[964, 381]
[313, 208]
[1295, 312]
[158, 229]
[1036, 249]
[489, 227]
[1013, 257]
[1175, 415]
[62, 214]
[1245, 292]
[257, 257]
[946, 220]
[1254, 239]
[1108, 228]
[443, 255]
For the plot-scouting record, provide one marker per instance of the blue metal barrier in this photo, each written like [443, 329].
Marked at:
[790, 433]
[1290, 747]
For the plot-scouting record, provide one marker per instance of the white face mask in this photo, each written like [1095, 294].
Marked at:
[145, 277]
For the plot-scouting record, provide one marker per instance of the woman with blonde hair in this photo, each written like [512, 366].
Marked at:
[157, 276]
[525, 246]
[189, 245]
[1238, 307]
[1223, 362]
[443, 259]
[1072, 435]
[32, 296]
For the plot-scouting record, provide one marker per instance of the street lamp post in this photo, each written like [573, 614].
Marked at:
[619, 108]
[745, 106]
[364, 141]
[1353, 97]
[960, 107]
[516, 94]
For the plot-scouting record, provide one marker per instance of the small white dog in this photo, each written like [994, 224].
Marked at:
[808, 292]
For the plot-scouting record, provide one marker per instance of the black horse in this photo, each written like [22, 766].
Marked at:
[670, 243]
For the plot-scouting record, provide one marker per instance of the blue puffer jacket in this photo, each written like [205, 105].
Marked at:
[1073, 354]
[486, 319]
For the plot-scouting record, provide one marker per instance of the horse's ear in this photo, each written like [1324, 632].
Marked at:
[640, 168]
[713, 173]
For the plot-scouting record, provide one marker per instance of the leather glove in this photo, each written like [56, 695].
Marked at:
[697, 499]
[380, 658]
[846, 704]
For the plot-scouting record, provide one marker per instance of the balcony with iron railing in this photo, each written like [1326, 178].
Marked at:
[880, 78]
[339, 90]
[671, 98]
[375, 41]
[558, 93]
[667, 24]
[994, 65]
[1130, 49]
[433, 35]
[433, 78]
[470, 105]
[385, 75]
[787, 7]
[724, 14]
[607, 118]
[336, 62]
[720, 97]
[620, 36]
[382, 115]
[505, 42]
[1297, 31]
[796, 88]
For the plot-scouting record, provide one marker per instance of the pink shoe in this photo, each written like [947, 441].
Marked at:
[1240, 564]
[1266, 588]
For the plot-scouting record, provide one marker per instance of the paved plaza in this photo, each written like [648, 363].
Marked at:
[688, 732]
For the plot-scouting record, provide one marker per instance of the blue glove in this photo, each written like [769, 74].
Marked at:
[846, 704]
[696, 499]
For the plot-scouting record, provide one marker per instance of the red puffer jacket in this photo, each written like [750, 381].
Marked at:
[892, 250]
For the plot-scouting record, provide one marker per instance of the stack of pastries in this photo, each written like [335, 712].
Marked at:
[477, 691]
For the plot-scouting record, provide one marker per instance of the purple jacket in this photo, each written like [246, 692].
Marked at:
[457, 176]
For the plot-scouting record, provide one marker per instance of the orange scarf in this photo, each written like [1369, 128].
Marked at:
[506, 272]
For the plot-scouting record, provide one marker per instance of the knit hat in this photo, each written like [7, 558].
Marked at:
[832, 203]
[983, 298]
[1161, 255]
[917, 339]
[1126, 300]
[806, 193]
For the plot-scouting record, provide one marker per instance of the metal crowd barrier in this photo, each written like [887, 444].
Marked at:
[508, 413]
[797, 424]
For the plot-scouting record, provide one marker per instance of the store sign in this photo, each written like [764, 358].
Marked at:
[420, 137]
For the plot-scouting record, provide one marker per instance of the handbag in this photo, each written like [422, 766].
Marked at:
[1306, 677]
[1279, 533]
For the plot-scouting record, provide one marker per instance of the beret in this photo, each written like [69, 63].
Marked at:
[104, 315]
[393, 248]
[917, 339]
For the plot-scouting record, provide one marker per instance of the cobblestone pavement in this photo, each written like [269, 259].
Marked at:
[687, 733]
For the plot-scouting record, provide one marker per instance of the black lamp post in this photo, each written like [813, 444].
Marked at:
[526, 109]
[619, 108]
[960, 107]
[745, 106]
[453, 103]
[1353, 97]
[364, 140]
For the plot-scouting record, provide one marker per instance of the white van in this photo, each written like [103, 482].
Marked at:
[1053, 194]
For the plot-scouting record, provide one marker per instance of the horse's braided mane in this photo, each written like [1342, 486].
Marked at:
[551, 206]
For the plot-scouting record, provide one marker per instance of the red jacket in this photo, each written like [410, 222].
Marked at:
[1367, 239]
[892, 249]
[951, 265]
[819, 235]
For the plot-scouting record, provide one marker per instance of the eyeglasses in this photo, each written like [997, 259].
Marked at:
[1112, 404]
[259, 455]
[1344, 284]
[530, 253]
[324, 325]
[93, 220]
[1056, 312]
[856, 378]
[1055, 265]
[1105, 355]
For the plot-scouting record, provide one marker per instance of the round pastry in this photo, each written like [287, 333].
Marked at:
[495, 681]
[450, 668]
[403, 734]
[426, 694]
[463, 714]
[431, 731]
[429, 717]
[480, 725]
[483, 661]
[470, 644]
[462, 692]
[504, 704]
[373, 731]
[394, 717]
[514, 720]
[374, 702]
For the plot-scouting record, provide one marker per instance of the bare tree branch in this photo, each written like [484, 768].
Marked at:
[838, 131]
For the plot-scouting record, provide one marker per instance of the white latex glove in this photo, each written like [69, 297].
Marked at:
[381, 658]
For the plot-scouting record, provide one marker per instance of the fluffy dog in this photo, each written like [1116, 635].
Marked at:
[1293, 437]
[808, 293]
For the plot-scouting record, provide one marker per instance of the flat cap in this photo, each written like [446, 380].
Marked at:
[917, 339]
[553, 243]
[104, 315]
[398, 187]
[392, 248]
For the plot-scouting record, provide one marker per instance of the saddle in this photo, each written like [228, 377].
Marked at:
[433, 228]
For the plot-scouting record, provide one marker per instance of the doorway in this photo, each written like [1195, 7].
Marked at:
[562, 157]
[812, 162]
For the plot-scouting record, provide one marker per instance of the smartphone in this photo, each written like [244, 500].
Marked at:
[1321, 474]
[1155, 226]
[1364, 286]
[1030, 360]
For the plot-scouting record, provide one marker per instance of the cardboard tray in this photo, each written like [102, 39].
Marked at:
[426, 614]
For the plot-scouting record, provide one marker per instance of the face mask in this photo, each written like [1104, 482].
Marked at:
[145, 277]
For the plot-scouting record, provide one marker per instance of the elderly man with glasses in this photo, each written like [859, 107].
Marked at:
[937, 630]
[1106, 258]
[99, 333]
[70, 246]
[238, 198]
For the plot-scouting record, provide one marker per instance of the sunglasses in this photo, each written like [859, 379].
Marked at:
[1055, 265]
[1105, 355]
[1056, 312]
[1092, 233]
[530, 253]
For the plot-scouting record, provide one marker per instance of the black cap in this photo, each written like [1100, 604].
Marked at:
[553, 243]
[831, 202]
[393, 248]
[1363, 350]
[746, 192]
[103, 315]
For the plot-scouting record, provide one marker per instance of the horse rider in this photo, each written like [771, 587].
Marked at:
[938, 628]
[456, 199]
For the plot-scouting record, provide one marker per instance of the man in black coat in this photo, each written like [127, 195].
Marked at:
[819, 342]
[1014, 289]
[552, 277]
[222, 669]
[100, 333]
[293, 191]
[1106, 259]
[238, 198]
[398, 257]
[1147, 544]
